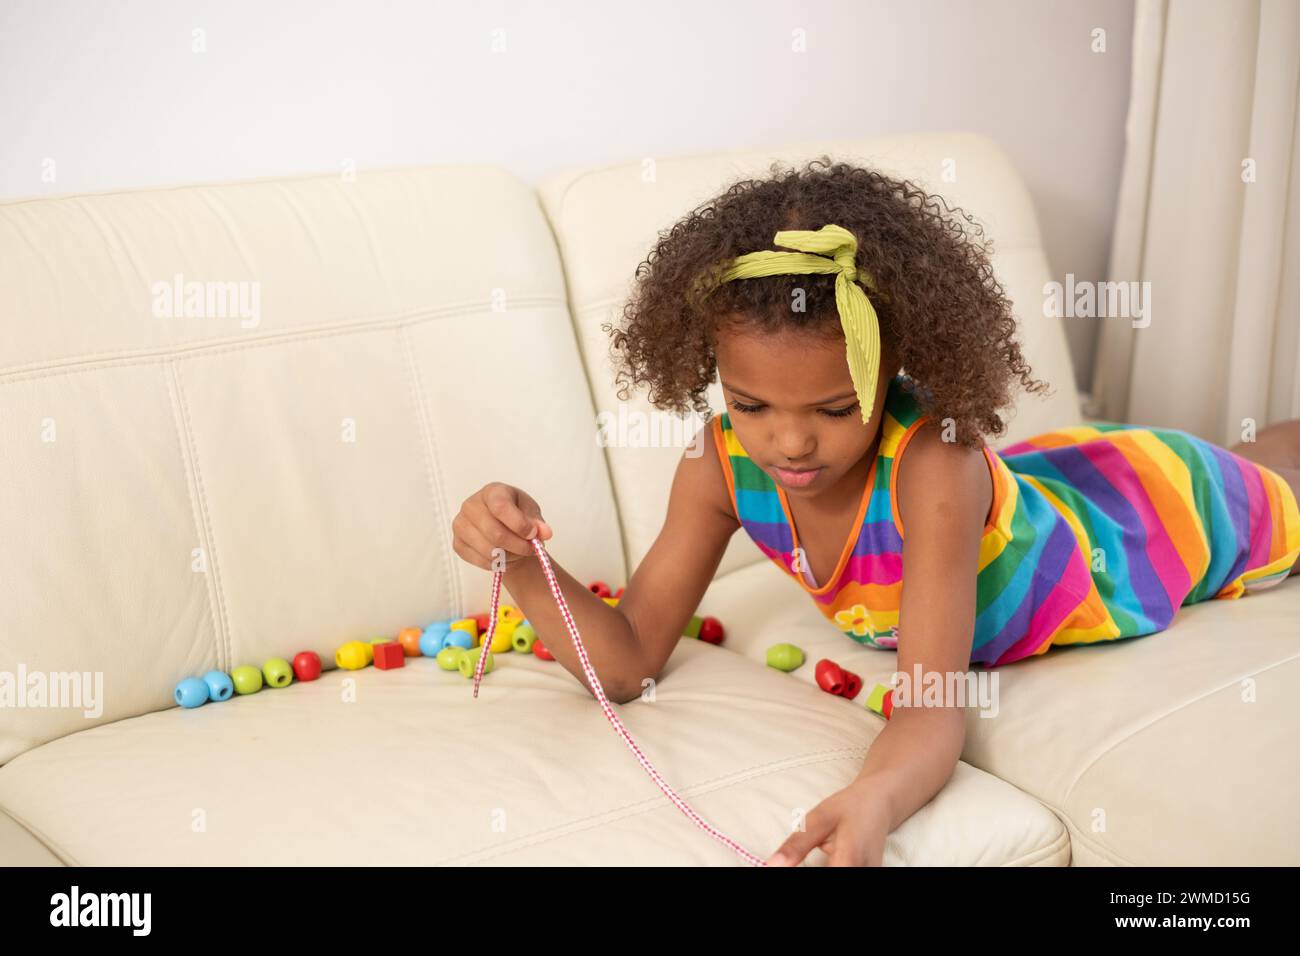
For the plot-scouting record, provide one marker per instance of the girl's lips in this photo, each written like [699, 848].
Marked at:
[798, 479]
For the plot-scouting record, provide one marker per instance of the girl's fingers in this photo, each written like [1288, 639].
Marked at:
[503, 523]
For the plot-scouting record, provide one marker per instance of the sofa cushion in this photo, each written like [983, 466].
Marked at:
[414, 771]
[1177, 748]
[607, 219]
[197, 491]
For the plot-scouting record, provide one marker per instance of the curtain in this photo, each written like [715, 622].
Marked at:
[1209, 216]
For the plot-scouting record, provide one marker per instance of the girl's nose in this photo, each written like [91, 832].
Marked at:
[794, 446]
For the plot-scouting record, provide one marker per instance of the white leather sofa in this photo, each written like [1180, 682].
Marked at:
[187, 493]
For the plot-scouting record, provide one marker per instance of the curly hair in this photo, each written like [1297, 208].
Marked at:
[942, 312]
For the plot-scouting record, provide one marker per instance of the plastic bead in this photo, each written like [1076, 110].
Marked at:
[618, 593]
[247, 678]
[191, 692]
[354, 655]
[881, 700]
[409, 638]
[434, 632]
[503, 637]
[693, 628]
[600, 589]
[431, 642]
[539, 650]
[467, 624]
[306, 665]
[220, 686]
[523, 638]
[389, 656]
[469, 660]
[785, 657]
[508, 612]
[482, 621]
[278, 672]
[711, 630]
[611, 601]
[852, 684]
[449, 657]
[829, 677]
[461, 639]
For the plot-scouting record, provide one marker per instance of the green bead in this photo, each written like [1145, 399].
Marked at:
[469, 661]
[380, 640]
[784, 657]
[449, 657]
[278, 672]
[693, 628]
[524, 638]
[247, 678]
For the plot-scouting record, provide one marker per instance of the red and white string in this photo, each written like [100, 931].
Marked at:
[601, 698]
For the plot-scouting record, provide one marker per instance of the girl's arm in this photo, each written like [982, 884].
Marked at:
[631, 642]
[944, 495]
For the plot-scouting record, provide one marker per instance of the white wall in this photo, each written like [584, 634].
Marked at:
[99, 96]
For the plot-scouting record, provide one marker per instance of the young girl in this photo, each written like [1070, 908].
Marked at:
[864, 348]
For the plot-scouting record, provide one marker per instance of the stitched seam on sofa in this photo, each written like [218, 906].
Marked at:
[67, 366]
[222, 619]
[173, 389]
[1155, 720]
[49, 844]
[656, 802]
[431, 470]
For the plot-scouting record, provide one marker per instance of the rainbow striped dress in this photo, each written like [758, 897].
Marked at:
[1095, 533]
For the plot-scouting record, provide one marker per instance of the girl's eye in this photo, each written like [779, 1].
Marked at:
[828, 412]
[839, 412]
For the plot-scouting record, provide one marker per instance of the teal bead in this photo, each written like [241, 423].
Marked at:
[459, 639]
[191, 692]
[220, 686]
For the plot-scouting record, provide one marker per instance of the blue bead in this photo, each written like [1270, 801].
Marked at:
[191, 692]
[432, 638]
[458, 638]
[220, 686]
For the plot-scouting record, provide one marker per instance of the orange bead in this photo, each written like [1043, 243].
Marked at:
[409, 638]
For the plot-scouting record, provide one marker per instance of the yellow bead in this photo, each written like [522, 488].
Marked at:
[354, 655]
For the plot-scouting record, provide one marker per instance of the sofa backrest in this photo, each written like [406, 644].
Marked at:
[237, 420]
[606, 219]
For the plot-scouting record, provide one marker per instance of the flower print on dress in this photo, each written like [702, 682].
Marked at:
[855, 621]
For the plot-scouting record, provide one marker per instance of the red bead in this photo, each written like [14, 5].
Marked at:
[852, 684]
[541, 651]
[389, 655]
[618, 593]
[887, 705]
[483, 620]
[711, 630]
[306, 666]
[600, 589]
[829, 677]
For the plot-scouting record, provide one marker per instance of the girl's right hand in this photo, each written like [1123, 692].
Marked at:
[498, 516]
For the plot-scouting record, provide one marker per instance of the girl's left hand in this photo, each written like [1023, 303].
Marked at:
[850, 826]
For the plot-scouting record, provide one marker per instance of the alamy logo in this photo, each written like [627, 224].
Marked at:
[102, 909]
[179, 299]
[57, 689]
